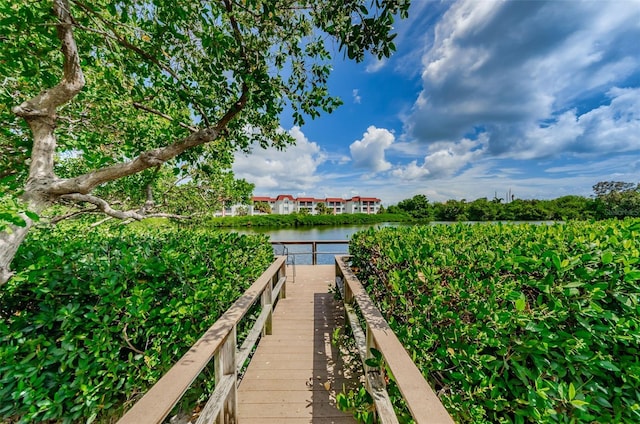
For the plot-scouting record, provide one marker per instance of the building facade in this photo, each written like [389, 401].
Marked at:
[368, 205]
[285, 204]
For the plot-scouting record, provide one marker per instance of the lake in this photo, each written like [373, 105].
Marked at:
[301, 254]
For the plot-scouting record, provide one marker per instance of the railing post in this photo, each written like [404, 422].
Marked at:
[348, 299]
[367, 368]
[283, 273]
[348, 294]
[225, 364]
[266, 301]
[314, 253]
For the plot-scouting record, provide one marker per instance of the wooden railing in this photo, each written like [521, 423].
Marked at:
[219, 343]
[422, 402]
[314, 247]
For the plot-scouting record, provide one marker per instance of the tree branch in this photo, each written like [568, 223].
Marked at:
[102, 221]
[83, 184]
[234, 109]
[103, 206]
[130, 46]
[168, 215]
[61, 218]
[45, 103]
[7, 172]
[128, 340]
[40, 111]
[162, 115]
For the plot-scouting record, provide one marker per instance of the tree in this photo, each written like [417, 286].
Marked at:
[185, 192]
[451, 210]
[263, 207]
[617, 199]
[322, 209]
[155, 82]
[483, 210]
[570, 207]
[527, 210]
[418, 207]
[603, 189]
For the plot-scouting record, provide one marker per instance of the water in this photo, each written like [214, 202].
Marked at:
[301, 254]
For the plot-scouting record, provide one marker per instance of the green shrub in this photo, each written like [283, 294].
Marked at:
[515, 323]
[298, 220]
[94, 317]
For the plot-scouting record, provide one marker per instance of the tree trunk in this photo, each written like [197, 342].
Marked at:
[43, 187]
[40, 113]
[9, 243]
[12, 239]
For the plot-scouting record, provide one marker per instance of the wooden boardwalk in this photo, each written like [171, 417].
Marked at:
[296, 372]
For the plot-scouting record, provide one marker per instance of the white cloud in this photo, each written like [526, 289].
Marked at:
[356, 96]
[411, 171]
[538, 97]
[375, 65]
[486, 176]
[293, 169]
[533, 76]
[612, 127]
[444, 160]
[368, 153]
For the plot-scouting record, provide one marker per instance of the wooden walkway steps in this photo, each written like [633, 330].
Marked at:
[296, 372]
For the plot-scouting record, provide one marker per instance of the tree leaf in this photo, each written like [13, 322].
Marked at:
[520, 304]
[608, 365]
[33, 216]
[572, 391]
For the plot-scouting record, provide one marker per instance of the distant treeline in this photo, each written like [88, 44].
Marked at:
[612, 199]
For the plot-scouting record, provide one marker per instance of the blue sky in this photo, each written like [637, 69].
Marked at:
[482, 96]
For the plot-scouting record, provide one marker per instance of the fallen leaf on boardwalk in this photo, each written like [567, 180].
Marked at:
[327, 385]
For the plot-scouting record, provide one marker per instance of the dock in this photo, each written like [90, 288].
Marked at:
[296, 371]
[297, 363]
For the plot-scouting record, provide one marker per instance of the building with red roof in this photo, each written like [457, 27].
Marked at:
[285, 204]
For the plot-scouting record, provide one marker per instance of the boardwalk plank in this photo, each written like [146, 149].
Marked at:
[294, 373]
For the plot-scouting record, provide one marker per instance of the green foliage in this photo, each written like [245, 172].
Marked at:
[182, 190]
[302, 219]
[418, 207]
[358, 403]
[95, 317]
[515, 323]
[11, 211]
[562, 208]
[154, 72]
[322, 209]
[617, 199]
[263, 207]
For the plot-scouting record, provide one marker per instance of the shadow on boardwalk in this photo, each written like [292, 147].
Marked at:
[297, 371]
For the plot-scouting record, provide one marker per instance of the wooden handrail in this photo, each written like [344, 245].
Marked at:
[314, 247]
[424, 405]
[218, 342]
